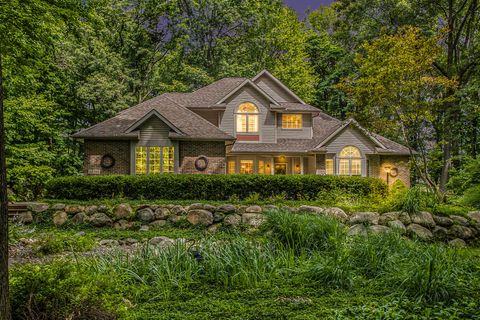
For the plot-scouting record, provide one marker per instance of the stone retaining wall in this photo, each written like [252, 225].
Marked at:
[456, 230]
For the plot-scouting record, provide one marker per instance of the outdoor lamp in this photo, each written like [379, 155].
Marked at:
[387, 170]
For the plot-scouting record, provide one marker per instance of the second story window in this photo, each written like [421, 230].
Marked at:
[291, 121]
[247, 117]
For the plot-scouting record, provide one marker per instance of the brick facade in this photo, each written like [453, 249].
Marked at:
[96, 149]
[400, 163]
[214, 151]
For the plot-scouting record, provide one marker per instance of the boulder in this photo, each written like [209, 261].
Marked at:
[122, 211]
[423, 218]
[178, 210]
[474, 215]
[357, 230]
[253, 219]
[253, 209]
[100, 219]
[161, 213]
[80, 217]
[89, 210]
[397, 225]
[404, 218]
[457, 243]
[177, 219]
[145, 214]
[460, 220]
[365, 218]
[25, 217]
[108, 243]
[443, 221]
[378, 229]
[144, 228]
[241, 210]
[440, 233]
[200, 216]
[209, 207]
[158, 224]
[232, 220]
[418, 231]
[214, 227]
[123, 224]
[387, 217]
[269, 207]
[58, 206]
[336, 213]
[162, 242]
[226, 208]
[310, 209]
[195, 206]
[458, 231]
[59, 218]
[218, 217]
[73, 209]
[37, 207]
[128, 241]
[102, 208]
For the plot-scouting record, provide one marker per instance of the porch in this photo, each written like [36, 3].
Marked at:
[271, 164]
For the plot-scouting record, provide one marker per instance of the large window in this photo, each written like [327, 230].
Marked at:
[292, 121]
[329, 166]
[232, 167]
[246, 166]
[154, 160]
[350, 163]
[247, 118]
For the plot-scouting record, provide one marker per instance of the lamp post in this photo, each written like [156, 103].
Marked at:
[387, 170]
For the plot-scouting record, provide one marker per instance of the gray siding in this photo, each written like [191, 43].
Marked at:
[304, 133]
[266, 117]
[210, 116]
[154, 132]
[274, 90]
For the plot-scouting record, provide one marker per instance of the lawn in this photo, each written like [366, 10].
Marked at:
[293, 267]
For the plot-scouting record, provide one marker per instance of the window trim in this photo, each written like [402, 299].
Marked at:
[292, 114]
[350, 160]
[247, 115]
[171, 149]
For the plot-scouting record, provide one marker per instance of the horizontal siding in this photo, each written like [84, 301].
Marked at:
[304, 133]
[266, 117]
[154, 132]
[274, 90]
[210, 116]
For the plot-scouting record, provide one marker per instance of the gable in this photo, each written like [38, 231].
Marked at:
[275, 88]
[154, 132]
[350, 136]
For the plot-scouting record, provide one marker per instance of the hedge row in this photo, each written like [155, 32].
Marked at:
[208, 187]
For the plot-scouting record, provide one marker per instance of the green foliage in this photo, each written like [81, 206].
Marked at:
[53, 243]
[28, 182]
[468, 176]
[471, 197]
[208, 187]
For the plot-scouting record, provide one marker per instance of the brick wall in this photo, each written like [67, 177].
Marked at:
[191, 150]
[95, 150]
[401, 163]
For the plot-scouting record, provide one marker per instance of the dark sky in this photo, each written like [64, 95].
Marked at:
[302, 5]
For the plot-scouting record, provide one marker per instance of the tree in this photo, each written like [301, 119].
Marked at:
[397, 81]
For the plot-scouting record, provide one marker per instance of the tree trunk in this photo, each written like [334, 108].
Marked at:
[4, 301]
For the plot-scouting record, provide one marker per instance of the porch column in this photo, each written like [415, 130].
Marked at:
[272, 166]
[301, 165]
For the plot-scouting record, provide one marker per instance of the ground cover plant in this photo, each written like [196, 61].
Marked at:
[297, 266]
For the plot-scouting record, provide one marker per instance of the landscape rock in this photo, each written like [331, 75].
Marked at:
[398, 226]
[253, 209]
[102, 208]
[440, 233]
[89, 210]
[161, 214]
[177, 219]
[178, 210]
[218, 217]
[423, 218]
[419, 231]
[474, 215]
[404, 217]
[122, 211]
[80, 217]
[214, 227]
[144, 228]
[209, 207]
[38, 207]
[25, 217]
[311, 209]
[365, 218]
[336, 213]
[270, 207]
[195, 206]
[100, 219]
[145, 214]
[378, 229]
[58, 206]
[253, 219]
[241, 210]
[162, 242]
[460, 220]
[123, 224]
[73, 209]
[357, 230]
[158, 224]
[200, 216]
[386, 217]
[108, 243]
[226, 208]
[443, 221]
[462, 232]
[232, 220]
[59, 218]
[128, 241]
[457, 243]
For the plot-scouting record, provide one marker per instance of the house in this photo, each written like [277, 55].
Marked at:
[242, 126]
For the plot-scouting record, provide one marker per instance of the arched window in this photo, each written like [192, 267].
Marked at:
[247, 117]
[350, 162]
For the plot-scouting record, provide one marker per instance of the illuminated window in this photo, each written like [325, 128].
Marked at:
[141, 160]
[232, 167]
[246, 166]
[350, 162]
[329, 166]
[292, 121]
[261, 167]
[247, 118]
[154, 160]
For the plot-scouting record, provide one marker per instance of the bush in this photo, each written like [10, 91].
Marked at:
[209, 187]
[471, 197]
[53, 243]
[28, 182]
[466, 177]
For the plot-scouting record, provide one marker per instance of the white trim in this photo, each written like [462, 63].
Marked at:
[147, 116]
[284, 87]
[244, 83]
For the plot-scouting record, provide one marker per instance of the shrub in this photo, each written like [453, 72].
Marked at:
[52, 243]
[466, 177]
[28, 182]
[209, 187]
[471, 197]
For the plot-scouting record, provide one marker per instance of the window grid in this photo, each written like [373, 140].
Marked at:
[141, 160]
[350, 163]
[154, 155]
[154, 160]
[232, 167]
[246, 166]
[247, 118]
[329, 166]
[168, 161]
[292, 121]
